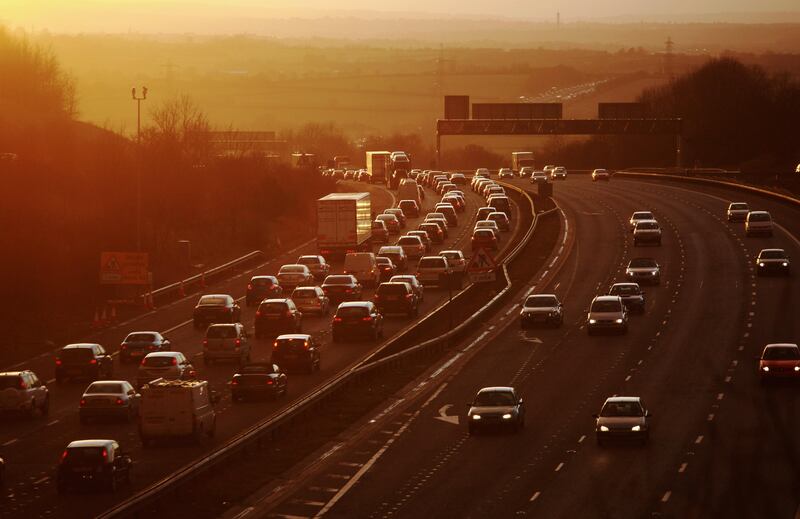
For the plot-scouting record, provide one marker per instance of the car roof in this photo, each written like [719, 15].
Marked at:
[623, 399]
[642, 212]
[163, 354]
[773, 250]
[90, 443]
[649, 220]
[14, 373]
[391, 283]
[626, 284]
[80, 345]
[759, 212]
[294, 336]
[607, 298]
[781, 345]
[315, 256]
[390, 248]
[404, 276]
[276, 300]
[355, 304]
[497, 389]
[218, 325]
[451, 251]
[108, 382]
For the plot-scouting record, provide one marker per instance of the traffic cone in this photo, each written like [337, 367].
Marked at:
[103, 317]
[181, 291]
[96, 320]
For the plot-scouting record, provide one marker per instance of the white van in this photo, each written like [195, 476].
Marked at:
[172, 408]
[363, 266]
[408, 191]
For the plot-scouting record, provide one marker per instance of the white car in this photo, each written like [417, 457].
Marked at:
[295, 275]
[109, 399]
[169, 365]
[600, 174]
[607, 313]
[639, 216]
[311, 299]
[23, 391]
[456, 260]
[434, 270]
[737, 211]
[548, 169]
[526, 171]
[758, 223]
[559, 173]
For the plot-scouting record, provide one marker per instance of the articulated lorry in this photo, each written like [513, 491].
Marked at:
[344, 224]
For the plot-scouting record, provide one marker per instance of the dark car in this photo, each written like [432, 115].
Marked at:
[138, 344]
[84, 361]
[622, 418]
[216, 308]
[262, 287]
[434, 231]
[277, 316]
[496, 407]
[773, 261]
[95, 463]
[386, 267]
[396, 298]
[297, 351]
[341, 287]
[484, 239]
[380, 233]
[258, 380]
[410, 208]
[541, 309]
[357, 319]
[631, 294]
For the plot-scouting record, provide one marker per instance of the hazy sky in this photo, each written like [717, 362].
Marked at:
[201, 15]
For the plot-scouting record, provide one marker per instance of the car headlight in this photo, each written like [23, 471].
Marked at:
[760, 264]
[619, 321]
[507, 416]
[636, 428]
[654, 273]
[797, 368]
[476, 417]
[603, 428]
[592, 321]
[765, 368]
[785, 263]
[628, 273]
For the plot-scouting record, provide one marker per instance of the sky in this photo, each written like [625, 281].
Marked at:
[210, 16]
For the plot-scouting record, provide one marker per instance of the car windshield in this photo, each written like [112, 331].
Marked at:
[643, 215]
[387, 217]
[84, 455]
[772, 254]
[624, 290]
[141, 337]
[421, 234]
[10, 381]
[758, 217]
[261, 282]
[378, 225]
[431, 262]
[494, 398]
[221, 332]
[272, 308]
[392, 289]
[213, 301]
[606, 306]
[304, 293]
[158, 362]
[484, 224]
[291, 344]
[642, 263]
[541, 301]
[404, 279]
[292, 269]
[104, 387]
[76, 354]
[409, 240]
[432, 227]
[309, 260]
[338, 280]
[782, 353]
[497, 216]
[483, 233]
[646, 226]
[352, 311]
[622, 408]
[383, 261]
[739, 207]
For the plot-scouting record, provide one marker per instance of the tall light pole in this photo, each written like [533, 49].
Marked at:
[139, 164]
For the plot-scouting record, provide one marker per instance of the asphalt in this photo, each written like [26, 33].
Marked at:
[31, 447]
[721, 445]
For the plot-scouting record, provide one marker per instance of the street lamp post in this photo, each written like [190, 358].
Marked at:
[139, 164]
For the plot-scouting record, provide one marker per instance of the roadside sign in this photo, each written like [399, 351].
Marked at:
[481, 267]
[124, 268]
[481, 261]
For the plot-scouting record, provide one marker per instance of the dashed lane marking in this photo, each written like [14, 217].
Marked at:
[535, 496]
[560, 466]
[12, 441]
[666, 496]
[682, 468]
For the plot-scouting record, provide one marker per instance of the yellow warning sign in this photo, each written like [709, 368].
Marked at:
[124, 268]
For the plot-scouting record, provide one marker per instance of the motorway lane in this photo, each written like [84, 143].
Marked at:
[31, 447]
[681, 368]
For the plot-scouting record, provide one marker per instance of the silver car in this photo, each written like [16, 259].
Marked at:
[226, 342]
[758, 223]
[607, 313]
[23, 391]
[622, 418]
[316, 264]
[643, 271]
[311, 299]
[737, 211]
[295, 275]
[541, 309]
[646, 231]
[496, 407]
[559, 173]
[639, 216]
[170, 365]
[539, 177]
[116, 399]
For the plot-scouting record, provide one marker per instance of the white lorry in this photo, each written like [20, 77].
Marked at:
[344, 224]
[520, 159]
[176, 408]
[378, 164]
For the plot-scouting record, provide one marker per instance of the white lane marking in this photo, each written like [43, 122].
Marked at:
[583, 437]
[181, 325]
[12, 441]
[50, 381]
[666, 496]
[683, 467]
[535, 496]
[627, 378]
[513, 307]
[720, 396]
[698, 440]
[560, 466]
[728, 378]
[41, 480]
[53, 422]
[244, 512]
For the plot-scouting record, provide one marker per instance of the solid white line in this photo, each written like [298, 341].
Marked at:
[181, 325]
[243, 512]
[53, 422]
[12, 441]
[535, 496]
[560, 466]
[41, 480]
[666, 496]
[683, 467]
[513, 307]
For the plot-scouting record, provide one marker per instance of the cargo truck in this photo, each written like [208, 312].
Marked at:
[400, 166]
[520, 159]
[344, 224]
[378, 163]
[176, 408]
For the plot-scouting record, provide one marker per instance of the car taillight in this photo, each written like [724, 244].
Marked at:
[337, 319]
[348, 290]
[306, 345]
[275, 345]
[174, 361]
[93, 361]
[288, 313]
[63, 455]
[142, 363]
[269, 381]
[409, 296]
[119, 401]
[22, 384]
[123, 346]
[152, 347]
[238, 342]
[58, 362]
[258, 313]
[105, 454]
[367, 318]
[235, 382]
[249, 286]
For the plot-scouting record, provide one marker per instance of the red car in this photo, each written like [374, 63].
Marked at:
[779, 361]
[484, 239]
